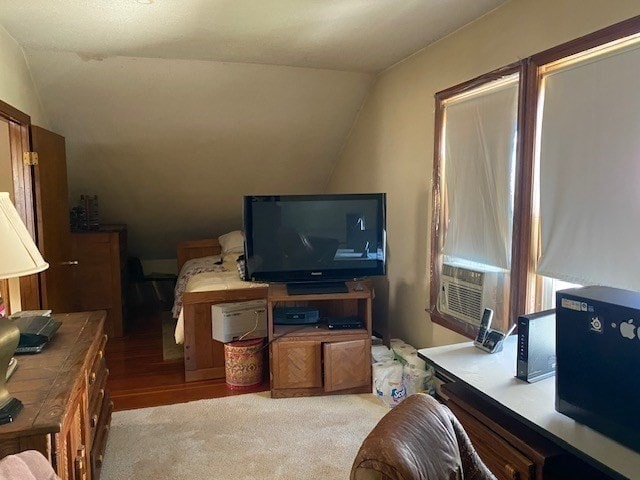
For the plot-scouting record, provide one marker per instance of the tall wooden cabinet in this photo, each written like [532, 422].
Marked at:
[101, 273]
[315, 360]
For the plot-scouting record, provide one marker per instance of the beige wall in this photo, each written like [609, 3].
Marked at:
[171, 146]
[16, 85]
[391, 145]
[16, 89]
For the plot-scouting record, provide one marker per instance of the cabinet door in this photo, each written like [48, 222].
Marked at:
[296, 364]
[52, 215]
[347, 364]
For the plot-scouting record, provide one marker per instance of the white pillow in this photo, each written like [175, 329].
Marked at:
[232, 242]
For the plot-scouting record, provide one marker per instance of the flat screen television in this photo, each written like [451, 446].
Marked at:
[315, 242]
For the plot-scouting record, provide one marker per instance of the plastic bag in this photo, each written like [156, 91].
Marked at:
[418, 380]
[381, 353]
[388, 382]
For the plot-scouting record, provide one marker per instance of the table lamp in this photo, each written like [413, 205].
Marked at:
[19, 256]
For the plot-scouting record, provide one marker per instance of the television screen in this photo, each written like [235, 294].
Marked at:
[304, 238]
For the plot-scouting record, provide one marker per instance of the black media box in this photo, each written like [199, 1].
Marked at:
[598, 349]
[337, 323]
[536, 346]
[296, 316]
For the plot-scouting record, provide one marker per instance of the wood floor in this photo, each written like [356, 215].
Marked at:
[139, 377]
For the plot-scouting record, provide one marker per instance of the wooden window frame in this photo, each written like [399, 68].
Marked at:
[522, 291]
[460, 326]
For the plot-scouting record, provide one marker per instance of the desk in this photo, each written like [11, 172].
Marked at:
[492, 376]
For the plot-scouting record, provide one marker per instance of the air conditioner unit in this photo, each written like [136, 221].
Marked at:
[466, 291]
[231, 321]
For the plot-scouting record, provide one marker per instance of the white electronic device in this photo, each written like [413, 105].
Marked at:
[240, 320]
[467, 290]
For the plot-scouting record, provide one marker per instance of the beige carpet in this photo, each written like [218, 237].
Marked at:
[170, 349]
[245, 437]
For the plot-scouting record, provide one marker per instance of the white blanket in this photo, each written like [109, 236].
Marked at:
[211, 281]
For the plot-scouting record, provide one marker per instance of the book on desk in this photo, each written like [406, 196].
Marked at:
[35, 332]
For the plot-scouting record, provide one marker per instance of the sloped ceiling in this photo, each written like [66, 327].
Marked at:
[174, 109]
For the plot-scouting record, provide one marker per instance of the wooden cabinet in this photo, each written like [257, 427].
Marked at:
[101, 273]
[315, 360]
[347, 364]
[67, 410]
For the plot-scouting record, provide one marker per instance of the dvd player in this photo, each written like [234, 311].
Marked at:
[296, 316]
[344, 322]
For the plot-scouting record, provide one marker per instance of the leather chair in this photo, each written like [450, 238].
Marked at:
[420, 439]
[28, 465]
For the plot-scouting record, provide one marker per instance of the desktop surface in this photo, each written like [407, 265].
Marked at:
[493, 377]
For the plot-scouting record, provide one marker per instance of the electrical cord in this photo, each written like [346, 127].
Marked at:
[255, 327]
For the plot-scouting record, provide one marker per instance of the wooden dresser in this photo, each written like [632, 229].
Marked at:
[101, 273]
[67, 409]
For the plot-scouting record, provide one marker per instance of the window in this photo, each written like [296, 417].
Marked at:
[587, 167]
[475, 174]
[576, 165]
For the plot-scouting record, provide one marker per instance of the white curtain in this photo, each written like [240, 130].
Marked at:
[479, 172]
[590, 172]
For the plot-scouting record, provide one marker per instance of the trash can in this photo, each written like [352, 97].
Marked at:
[243, 363]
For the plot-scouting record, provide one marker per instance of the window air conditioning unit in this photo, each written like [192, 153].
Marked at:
[466, 291]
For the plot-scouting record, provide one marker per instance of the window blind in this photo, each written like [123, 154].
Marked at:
[589, 154]
[479, 171]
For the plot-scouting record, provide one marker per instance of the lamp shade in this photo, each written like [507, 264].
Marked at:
[19, 256]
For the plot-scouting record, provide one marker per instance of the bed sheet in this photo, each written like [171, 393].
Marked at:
[195, 266]
[211, 281]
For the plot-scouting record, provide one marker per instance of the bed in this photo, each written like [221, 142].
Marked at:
[204, 356]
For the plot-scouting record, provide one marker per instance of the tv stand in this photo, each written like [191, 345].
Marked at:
[313, 288]
[316, 359]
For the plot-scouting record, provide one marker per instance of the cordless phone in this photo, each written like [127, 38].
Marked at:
[485, 326]
[489, 340]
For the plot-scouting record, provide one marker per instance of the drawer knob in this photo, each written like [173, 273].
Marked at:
[99, 461]
[100, 354]
[512, 472]
[92, 378]
[94, 421]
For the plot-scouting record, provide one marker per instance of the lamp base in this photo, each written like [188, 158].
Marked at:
[9, 411]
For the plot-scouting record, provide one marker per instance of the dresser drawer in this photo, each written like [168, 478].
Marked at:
[97, 395]
[504, 461]
[98, 369]
[101, 435]
[95, 365]
[97, 379]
